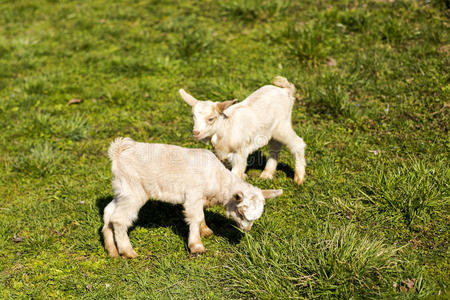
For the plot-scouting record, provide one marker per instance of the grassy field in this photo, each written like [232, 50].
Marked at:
[371, 219]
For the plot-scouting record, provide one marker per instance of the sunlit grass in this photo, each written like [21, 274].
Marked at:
[371, 219]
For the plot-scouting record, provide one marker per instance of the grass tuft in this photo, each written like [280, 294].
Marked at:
[338, 262]
[194, 42]
[41, 160]
[330, 95]
[308, 42]
[413, 189]
[394, 32]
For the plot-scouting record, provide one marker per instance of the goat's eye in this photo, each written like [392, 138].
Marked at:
[211, 119]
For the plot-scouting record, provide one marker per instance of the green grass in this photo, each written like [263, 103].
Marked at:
[372, 216]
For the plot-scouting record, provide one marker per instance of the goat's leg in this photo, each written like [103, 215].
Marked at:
[193, 210]
[205, 230]
[296, 145]
[126, 211]
[239, 164]
[108, 233]
[274, 154]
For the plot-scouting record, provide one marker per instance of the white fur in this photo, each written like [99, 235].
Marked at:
[194, 178]
[238, 130]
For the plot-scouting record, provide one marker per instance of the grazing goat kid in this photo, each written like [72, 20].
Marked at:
[194, 178]
[238, 130]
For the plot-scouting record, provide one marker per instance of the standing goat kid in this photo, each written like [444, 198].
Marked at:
[194, 178]
[238, 130]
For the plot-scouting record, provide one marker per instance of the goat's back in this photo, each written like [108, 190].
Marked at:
[269, 101]
[165, 171]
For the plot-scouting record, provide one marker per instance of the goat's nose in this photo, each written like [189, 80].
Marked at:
[196, 132]
[246, 228]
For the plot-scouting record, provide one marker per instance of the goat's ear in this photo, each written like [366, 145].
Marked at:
[239, 196]
[221, 106]
[188, 98]
[271, 193]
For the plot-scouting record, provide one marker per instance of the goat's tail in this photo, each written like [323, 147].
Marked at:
[118, 146]
[282, 82]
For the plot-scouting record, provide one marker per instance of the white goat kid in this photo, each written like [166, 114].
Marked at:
[194, 178]
[238, 130]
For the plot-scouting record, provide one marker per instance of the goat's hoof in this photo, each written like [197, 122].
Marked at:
[299, 179]
[205, 232]
[112, 251]
[243, 176]
[129, 253]
[266, 175]
[197, 249]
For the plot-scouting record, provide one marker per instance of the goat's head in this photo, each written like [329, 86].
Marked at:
[205, 114]
[248, 205]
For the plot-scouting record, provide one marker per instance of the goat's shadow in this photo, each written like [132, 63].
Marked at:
[257, 161]
[156, 214]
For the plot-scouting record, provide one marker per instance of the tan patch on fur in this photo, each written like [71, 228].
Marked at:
[298, 180]
[224, 105]
[210, 201]
[108, 238]
[197, 248]
[129, 253]
[205, 230]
